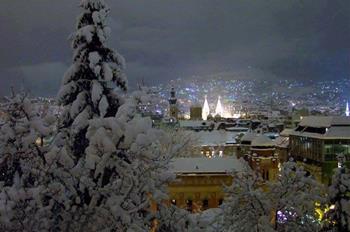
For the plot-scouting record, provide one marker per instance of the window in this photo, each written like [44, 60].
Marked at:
[328, 148]
[205, 204]
[189, 205]
[221, 201]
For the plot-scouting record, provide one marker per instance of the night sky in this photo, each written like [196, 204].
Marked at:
[166, 39]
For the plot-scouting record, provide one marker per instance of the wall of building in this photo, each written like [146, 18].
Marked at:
[196, 113]
[218, 151]
[201, 191]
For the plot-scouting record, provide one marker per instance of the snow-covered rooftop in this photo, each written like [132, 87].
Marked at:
[215, 137]
[336, 127]
[262, 141]
[237, 129]
[324, 121]
[286, 132]
[206, 165]
[194, 123]
[249, 137]
[282, 141]
[338, 131]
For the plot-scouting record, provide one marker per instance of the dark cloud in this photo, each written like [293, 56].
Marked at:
[42, 79]
[163, 39]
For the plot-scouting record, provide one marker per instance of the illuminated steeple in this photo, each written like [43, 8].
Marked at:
[205, 110]
[347, 112]
[219, 110]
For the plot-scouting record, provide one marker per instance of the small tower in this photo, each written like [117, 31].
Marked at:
[347, 112]
[219, 110]
[205, 109]
[173, 110]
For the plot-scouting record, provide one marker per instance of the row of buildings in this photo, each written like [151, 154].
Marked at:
[313, 142]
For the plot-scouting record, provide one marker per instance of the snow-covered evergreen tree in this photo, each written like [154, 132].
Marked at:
[124, 169]
[246, 207]
[287, 204]
[293, 199]
[108, 164]
[22, 166]
[88, 87]
[210, 220]
[173, 219]
[339, 194]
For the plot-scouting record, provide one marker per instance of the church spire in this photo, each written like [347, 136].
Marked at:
[173, 110]
[205, 110]
[172, 99]
[219, 110]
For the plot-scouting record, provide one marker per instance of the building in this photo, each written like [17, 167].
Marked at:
[199, 181]
[296, 117]
[245, 143]
[282, 145]
[260, 152]
[262, 157]
[216, 143]
[316, 142]
[196, 112]
[196, 125]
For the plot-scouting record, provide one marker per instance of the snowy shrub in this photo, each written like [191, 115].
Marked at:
[339, 197]
[22, 166]
[287, 204]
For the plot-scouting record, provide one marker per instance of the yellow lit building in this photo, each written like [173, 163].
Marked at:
[199, 182]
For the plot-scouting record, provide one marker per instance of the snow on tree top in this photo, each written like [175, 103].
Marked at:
[93, 4]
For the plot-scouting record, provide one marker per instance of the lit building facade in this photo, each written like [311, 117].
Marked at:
[199, 182]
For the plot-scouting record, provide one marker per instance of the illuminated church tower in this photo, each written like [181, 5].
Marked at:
[219, 110]
[173, 110]
[347, 112]
[205, 109]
